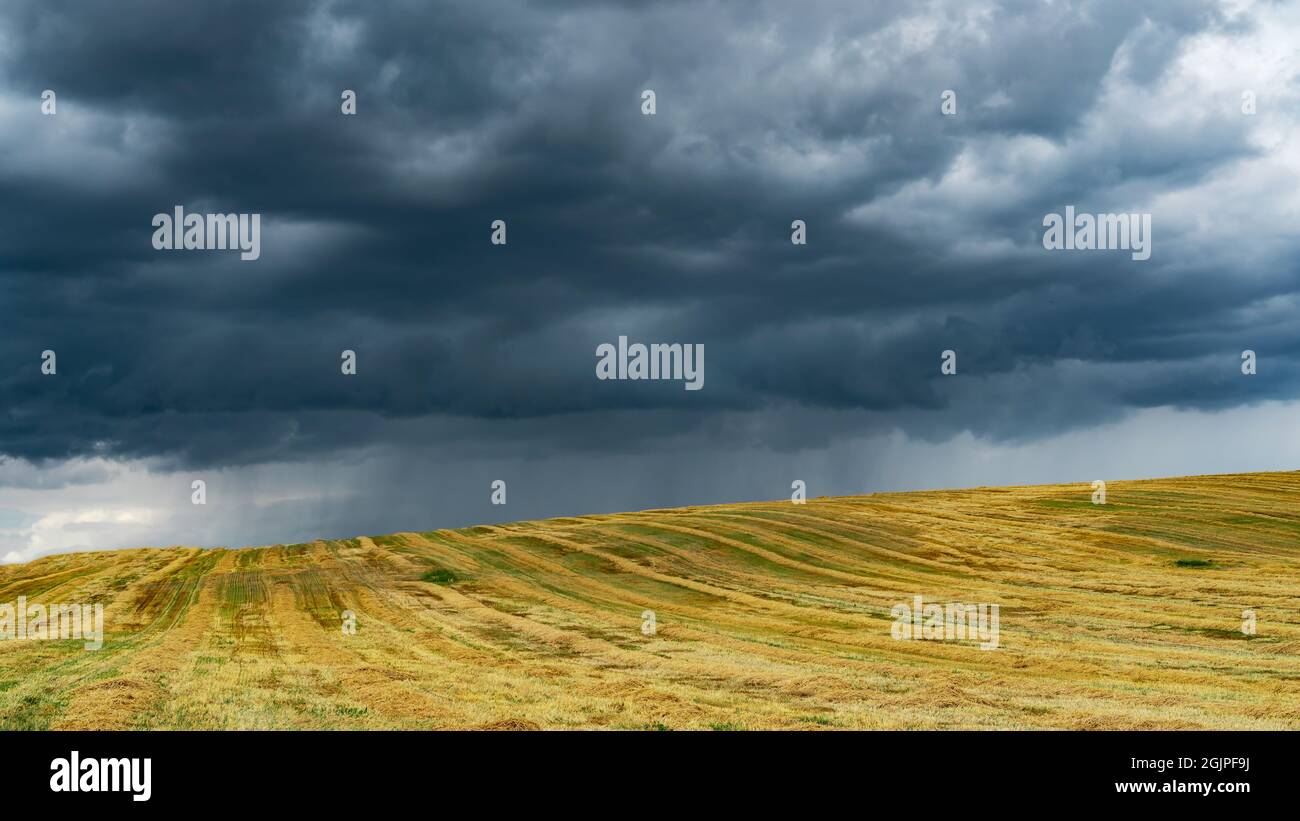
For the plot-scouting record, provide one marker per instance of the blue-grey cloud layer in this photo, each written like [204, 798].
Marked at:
[666, 228]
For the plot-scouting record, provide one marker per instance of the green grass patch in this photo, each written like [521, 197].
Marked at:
[1195, 563]
[353, 712]
[1220, 633]
[439, 575]
[1076, 504]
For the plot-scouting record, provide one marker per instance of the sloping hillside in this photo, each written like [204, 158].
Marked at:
[767, 615]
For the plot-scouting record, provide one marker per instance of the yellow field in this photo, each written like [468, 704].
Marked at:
[768, 615]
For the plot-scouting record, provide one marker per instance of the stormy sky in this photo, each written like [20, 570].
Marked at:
[476, 362]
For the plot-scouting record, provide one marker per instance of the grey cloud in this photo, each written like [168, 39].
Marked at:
[672, 228]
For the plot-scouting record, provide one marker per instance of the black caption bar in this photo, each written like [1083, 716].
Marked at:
[148, 771]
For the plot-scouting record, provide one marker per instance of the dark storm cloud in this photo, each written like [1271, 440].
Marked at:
[671, 228]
